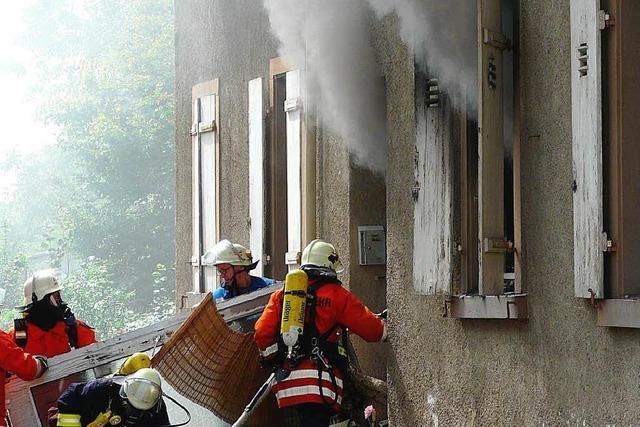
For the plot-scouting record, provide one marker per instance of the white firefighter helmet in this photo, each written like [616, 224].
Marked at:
[143, 389]
[38, 286]
[225, 252]
[321, 254]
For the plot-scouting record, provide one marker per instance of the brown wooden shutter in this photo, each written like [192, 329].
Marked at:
[490, 149]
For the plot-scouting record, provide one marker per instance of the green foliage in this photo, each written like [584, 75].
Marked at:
[96, 299]
[99, 204]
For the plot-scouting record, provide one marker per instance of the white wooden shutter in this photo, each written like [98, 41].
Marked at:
[586, 119]
[293, 108]
[256, 172]
[205, 180]
[433, 196]
[490, 149]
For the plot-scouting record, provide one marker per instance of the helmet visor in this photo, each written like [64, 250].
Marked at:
[141, 393]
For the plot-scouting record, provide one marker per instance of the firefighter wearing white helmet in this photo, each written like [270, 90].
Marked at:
[134, 400]
[310, 366]
[47, 325]
[234, 262]
[319, 253]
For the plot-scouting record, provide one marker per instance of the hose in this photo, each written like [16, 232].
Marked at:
[182, 407]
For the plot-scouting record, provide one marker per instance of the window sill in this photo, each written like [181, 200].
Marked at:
[509, 306]
[619, 313]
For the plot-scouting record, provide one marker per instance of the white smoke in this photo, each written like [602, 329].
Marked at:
[442, 34]
[329, 39]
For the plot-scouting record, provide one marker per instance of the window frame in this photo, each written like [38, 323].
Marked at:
[478, 291]
[279, 207]
[610, 264]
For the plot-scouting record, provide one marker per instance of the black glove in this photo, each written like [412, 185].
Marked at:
[268, 363]
[43, 365]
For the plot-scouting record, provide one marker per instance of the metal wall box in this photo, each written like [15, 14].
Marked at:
[372, 245]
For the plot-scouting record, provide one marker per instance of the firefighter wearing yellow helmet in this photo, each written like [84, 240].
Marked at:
[309, 355]
[234, 262]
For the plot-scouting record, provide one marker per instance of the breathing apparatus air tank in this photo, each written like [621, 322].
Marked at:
[293, 308]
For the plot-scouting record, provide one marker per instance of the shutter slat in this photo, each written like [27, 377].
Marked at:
[209, 190]
[195, 197]
[294, 196]
[256, 172]
[586, 115]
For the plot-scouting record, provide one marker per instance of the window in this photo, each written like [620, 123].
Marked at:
[291, 171]
[467, 215]
[205, 182]
[606, 157]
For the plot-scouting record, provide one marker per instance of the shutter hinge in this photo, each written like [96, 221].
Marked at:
[195, 261]
[608, 245]
[496, 39]
[292, 104]
[203, 127]
[497, 245]
[604, 20]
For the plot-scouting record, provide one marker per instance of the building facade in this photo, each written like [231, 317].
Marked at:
[510, 262]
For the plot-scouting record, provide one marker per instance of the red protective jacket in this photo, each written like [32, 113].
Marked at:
[334, 306]
[13, 359]
[55, 341]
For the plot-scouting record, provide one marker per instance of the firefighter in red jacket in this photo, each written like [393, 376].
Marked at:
[14, 360]
[309, 384]
[48, 326]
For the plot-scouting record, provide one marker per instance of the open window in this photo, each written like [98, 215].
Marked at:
[205, 172]
[605, 40]
[290, 171]
[467, 213]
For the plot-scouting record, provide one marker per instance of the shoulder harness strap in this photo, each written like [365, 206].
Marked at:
[72, 328]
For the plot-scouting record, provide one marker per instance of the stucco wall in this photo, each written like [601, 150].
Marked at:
[557, 368]
[367, 206]
[231, 41]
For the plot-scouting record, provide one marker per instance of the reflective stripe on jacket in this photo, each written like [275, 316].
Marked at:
[334, 306]
[55, 341]
[15, 360]
[68, 420]
[303, 386]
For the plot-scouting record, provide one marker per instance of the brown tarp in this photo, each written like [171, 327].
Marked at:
[218, 368]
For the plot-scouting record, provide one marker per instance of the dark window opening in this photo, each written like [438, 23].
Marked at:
[621, 151]
[277, 190]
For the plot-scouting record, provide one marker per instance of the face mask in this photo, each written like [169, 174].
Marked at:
[56, 300]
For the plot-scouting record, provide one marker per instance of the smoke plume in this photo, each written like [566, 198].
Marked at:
[329, 39]
[442, 35]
